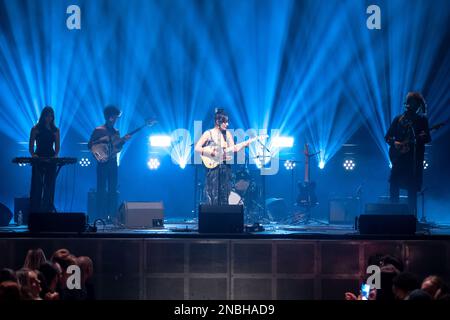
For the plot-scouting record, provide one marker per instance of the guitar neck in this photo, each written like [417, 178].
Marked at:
[241, 144]
[135, 130]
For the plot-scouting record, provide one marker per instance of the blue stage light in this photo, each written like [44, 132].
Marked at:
[181, 76]
[182, 164]
[321, 164]
[289, 165]
[425, 164]
[349, 164]
[160, 141]
[153, 163]
[84, 162]
[282, 142]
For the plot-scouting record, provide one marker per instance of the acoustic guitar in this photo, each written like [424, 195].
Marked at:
[224, 153]
[401, 147]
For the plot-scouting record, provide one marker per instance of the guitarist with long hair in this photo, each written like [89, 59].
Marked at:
[107, 171]
[407, 136]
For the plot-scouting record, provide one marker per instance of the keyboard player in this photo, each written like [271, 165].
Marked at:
[44, 143]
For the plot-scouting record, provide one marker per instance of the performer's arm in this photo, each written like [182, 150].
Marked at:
[96, 137]
[57, 143]
[32, 141]
[200, 143]
[231, 144]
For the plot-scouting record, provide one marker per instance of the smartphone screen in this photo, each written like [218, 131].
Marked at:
[365, 290]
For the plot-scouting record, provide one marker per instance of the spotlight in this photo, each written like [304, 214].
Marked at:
[425, 164]
[321, 164]
[84, 162]
[153, 163]
[182, 164]
[283, 142]
[349, 164]
[22, 164]
[160, 141]
[289, 165]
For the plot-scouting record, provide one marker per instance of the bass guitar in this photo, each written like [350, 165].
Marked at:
[108, 146]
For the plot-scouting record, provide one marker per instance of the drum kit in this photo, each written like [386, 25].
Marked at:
[246, 192]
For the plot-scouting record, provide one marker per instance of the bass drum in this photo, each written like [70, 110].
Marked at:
[242, 181]
[234, 198]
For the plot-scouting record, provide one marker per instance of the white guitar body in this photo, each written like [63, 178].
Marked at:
[101, 152]
[106, 147]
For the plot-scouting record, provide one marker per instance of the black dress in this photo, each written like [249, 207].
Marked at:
[43, 176]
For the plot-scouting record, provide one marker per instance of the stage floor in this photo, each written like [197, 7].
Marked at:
[179, 228]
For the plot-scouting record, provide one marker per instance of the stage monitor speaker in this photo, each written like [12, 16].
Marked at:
[57, 222]
[387, 208]
[221, 219]
[387, 224]
[343, 210]
[142, 214]
[5, 215]
[21, 205]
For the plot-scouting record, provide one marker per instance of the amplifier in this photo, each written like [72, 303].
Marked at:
[142, 214]
[343, 210]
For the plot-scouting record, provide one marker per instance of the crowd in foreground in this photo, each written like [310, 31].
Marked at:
[49, 279]
[397, 284]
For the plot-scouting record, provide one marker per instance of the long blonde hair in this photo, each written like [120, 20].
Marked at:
[34, 259]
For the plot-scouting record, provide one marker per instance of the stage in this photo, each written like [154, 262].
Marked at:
[285, 262]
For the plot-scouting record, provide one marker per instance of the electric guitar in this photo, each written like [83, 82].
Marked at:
[307, 195]
[106, 147]
[223, 154]
[402, 147]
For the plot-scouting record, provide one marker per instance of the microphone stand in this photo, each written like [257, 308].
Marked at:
[414, 173]
[423, 219]
[292, 205]
[263, 177]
